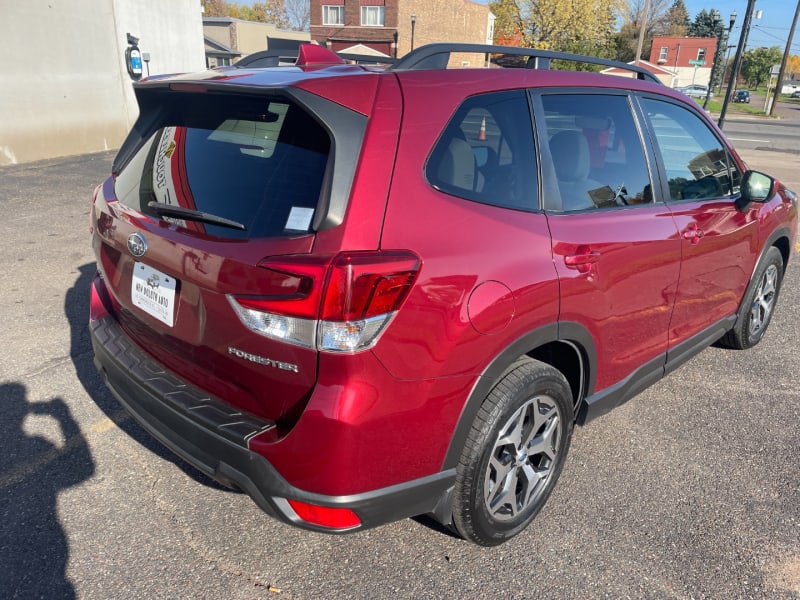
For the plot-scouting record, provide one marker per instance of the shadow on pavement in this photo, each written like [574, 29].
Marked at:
[76, 308]
[33, 470]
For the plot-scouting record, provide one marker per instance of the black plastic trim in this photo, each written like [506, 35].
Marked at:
[694, 345]
[218, 448]
[565, 331]
[649, 373]
[436, 56]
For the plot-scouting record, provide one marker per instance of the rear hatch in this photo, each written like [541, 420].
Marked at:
[213, 186]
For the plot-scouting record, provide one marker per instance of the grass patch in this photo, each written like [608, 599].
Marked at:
[715, 106]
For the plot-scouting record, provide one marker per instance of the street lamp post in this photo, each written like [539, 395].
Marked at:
[718, 32]
[728, 50]
[413, 25]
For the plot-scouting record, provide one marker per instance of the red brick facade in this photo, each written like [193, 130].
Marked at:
[338, 37]
[676, 52]
[434, 21]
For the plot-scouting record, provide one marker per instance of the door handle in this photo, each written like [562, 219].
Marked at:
[693, 233]
[582, 262]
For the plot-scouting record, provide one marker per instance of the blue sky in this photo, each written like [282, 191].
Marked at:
[771, 30]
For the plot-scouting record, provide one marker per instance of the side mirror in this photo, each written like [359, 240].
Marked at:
[756, 187]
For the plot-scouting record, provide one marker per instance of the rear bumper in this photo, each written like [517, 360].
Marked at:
[213, 437]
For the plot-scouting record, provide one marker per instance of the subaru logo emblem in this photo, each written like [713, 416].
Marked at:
[137, 245]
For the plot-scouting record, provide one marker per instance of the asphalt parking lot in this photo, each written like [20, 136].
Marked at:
[691, 490]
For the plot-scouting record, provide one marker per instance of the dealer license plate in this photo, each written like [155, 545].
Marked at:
[153, 292]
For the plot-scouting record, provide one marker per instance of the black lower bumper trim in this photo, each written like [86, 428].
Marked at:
[212, 436]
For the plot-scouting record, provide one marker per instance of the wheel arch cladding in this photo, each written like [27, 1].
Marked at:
[567, 347]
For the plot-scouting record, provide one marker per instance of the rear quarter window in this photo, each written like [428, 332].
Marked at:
[254, 160]
[487, 154]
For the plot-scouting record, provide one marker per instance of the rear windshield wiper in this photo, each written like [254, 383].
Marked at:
[188, 214]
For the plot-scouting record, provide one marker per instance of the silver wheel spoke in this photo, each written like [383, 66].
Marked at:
[503, 498]
[532, 481]
[513, 432]
[546, 442]
[522, 458]
[764, 299]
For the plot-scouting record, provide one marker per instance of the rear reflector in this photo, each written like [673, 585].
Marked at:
[324, 516]
[336, 304]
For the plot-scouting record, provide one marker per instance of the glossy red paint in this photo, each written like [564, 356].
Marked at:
[626, 296]
[599, 293]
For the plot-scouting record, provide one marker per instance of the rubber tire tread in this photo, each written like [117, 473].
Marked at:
[738, 338]
[501, 401]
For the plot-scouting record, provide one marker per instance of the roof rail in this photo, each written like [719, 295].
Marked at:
[436, 56]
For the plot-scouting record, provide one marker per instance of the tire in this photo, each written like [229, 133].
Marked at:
[514, 453]
[759, 303]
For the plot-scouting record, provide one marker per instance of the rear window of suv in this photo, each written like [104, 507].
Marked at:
[254, 160]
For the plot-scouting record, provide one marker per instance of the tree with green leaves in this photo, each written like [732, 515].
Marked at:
[270, 11]
[709, 24]
[706, 24]
[565, 25]
[676, 21]
[756, 64]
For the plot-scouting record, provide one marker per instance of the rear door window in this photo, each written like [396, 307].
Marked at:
[597, 155]
[253, 160]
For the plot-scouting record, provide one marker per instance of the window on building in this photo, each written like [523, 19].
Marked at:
[701, 54]
[372, 16]
[662, 55]
[332, 15]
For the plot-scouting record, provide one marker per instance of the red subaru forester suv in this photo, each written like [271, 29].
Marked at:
[361, 294]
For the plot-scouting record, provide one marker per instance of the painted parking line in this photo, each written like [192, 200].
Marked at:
[732, 139]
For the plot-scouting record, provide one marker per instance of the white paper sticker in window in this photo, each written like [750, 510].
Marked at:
[299, 218]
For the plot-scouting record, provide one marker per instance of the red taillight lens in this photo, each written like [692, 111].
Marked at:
[290, 287]
[338, 304]
[332, 518]
[98, 300]
[365, 285]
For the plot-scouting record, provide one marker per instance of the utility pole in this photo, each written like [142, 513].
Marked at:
[748, 18]
[642, 27]
[785, 59]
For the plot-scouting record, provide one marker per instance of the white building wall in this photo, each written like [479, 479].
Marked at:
[690, 75]
[64, 87]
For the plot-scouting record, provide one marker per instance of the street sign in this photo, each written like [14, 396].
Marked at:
[697, 63]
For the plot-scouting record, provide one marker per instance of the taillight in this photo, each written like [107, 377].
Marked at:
[332, 518]
[336, 304]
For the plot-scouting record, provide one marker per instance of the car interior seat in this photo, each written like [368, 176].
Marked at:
[572, 162]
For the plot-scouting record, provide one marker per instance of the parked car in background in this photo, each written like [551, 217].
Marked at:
[742, 96]
[796, 94]
[695, 90]
[362, 294]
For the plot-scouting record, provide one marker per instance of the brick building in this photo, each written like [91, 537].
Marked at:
[675, 54]
[387, 26]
